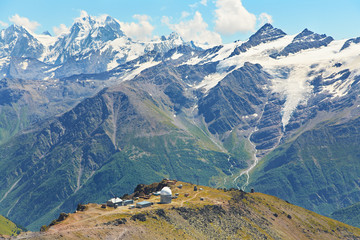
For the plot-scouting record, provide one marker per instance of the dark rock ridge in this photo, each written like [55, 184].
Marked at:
[304, 40]
[265, 34]
[349, 42]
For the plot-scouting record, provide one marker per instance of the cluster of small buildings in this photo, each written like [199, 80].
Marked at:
[165, 198]
[116, 202]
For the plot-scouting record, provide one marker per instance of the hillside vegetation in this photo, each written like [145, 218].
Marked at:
[205, 214]
[8, 228]
[318, 170]
[349, 215]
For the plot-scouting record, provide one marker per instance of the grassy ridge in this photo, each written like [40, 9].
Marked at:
[206, 214]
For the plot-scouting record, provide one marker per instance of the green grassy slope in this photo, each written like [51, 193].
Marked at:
[8, 228]
[112, 141]
[319, 170]
[349, 215]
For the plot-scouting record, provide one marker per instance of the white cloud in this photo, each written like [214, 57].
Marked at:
[60, 30]
[25, 22]
[265, 18]
[232, 17]
[194, 5]
[203, 2]
[195, 30]
[141, 30]
[185, 14]
[3, 24]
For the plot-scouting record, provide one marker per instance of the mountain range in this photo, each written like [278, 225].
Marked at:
[93, 111]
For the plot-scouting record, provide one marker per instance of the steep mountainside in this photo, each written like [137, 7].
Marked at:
[349, 215]
[110, 141]
[274, 108]
[318, 169]
[219, 215]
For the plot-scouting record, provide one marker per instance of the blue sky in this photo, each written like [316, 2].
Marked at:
[217, 20]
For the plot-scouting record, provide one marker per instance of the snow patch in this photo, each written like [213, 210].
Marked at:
[176, 56]
[24, 65]
[139, 69]
[193, 61]
[211, 81]
[46, 40]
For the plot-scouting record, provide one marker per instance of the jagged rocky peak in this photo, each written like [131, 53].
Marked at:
[86, 34]
[309, 36]
[266, 33]
[349, 42]
[104, 27]
[13, 32]
[18, 42]
[47, 33]
[165, 43]
[173, 36]
[303, 41]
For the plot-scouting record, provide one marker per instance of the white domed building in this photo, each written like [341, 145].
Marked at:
[165, 195]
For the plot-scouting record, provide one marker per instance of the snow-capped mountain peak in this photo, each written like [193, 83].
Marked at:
[303, 41]
[18, 42]
[308, 36]
[265, 34]
[87, 34]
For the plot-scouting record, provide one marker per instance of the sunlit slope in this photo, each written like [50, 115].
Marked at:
[219, 215]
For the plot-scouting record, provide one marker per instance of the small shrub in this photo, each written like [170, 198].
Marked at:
[44, 228]
[141, 217]
[80, 207]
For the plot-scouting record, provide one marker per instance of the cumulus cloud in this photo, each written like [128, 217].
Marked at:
[195, 29]
[141, 30]
[232, 17]
[25, 22]
[203, 2]
[265, 18]
[60, 30]
[3, 24]
[185, 14]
